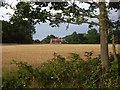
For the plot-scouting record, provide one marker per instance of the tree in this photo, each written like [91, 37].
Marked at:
[117, 36]
[18, 32]
[82, 38]
[92, 36]
[71, 13]
[75, 38]
[47, 39]
[72, 39]
[114, 38]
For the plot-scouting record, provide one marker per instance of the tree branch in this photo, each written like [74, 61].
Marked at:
[63, 21]
[90, 16]
[93, 23]
[100, 77]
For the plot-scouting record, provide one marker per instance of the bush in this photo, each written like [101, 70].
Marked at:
[61, 72]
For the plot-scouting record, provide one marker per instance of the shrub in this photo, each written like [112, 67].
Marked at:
[61, 72]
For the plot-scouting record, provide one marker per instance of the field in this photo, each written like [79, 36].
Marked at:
[35, 54]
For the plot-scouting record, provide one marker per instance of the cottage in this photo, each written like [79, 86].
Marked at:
[57, 41]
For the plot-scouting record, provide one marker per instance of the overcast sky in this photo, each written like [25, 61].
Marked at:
[44, 29]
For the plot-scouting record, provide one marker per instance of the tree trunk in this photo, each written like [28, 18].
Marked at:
[119, 59]
[104, 49]
[103, 18]
[114, 48]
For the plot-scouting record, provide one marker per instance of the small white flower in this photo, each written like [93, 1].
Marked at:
[24, 85]
[51, 77]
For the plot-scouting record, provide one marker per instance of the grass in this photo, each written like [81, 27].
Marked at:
[35, 54]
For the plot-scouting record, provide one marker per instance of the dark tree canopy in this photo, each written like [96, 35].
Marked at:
[75, 38]
[47, 39]
[74, 13]
[93, 37]
[18, 32]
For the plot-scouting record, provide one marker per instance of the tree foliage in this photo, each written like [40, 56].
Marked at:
[75, 38]
[47, 39]
[18, 32]
[93, 37]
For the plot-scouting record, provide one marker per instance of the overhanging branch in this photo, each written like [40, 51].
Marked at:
[90, 16]
[93, 23]
[63, 21]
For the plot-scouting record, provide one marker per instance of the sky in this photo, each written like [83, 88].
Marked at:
[43, 30]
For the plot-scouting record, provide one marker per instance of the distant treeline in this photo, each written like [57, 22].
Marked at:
[22, 31]
[91, 38]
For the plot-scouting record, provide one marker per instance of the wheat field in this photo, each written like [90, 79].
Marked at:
[35, 54]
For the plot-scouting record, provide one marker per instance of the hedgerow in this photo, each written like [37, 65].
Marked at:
[61, 72]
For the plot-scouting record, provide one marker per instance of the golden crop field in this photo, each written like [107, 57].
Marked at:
[35, 54]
